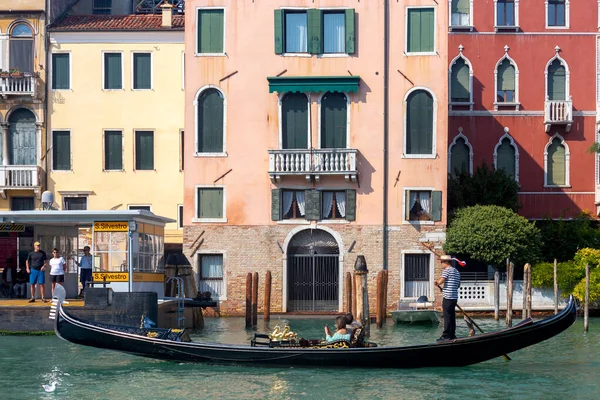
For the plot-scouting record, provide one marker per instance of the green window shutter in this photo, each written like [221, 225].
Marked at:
[315, 31]
[60, 71]
[144, 150]
[351, 205]
[210, 122]
[294, 114]
[460, 155]
[506, 76]
[210, 203]
[557, 81]
[334, 115]
[278, 23]
[556, 163]
[113, 74]
[113, 150]
[312, 199]
[460, 91]
[461, 6]
[61, 150]
[142, 71]
[427, 29]
[275, 204]
[210, 31]
[419, 126]
[350, 31]
[421, 25]
[414, 30]
[436, 205]
[505, 158]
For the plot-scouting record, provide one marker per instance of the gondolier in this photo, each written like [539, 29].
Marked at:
[451, 282]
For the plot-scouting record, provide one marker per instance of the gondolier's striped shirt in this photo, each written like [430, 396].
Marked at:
[451, 283]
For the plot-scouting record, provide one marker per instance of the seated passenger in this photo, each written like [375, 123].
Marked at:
[351, 323]
[341, 332]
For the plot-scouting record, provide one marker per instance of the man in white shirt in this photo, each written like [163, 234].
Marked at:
[85, 264]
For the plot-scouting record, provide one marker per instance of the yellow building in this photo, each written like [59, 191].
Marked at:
[22, 104]
[116, 105]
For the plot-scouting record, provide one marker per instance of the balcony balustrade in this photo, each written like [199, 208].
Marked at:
[17, 86]
[20, 177]
[558, 112]
[313, 163]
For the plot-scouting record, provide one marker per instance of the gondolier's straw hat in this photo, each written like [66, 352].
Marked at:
[446, 258]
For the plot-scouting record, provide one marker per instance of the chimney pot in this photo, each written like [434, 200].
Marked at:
[167, 14]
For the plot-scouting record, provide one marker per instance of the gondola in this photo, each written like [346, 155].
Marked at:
[167, 344]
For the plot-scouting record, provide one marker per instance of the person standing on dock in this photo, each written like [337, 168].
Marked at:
[451, 281]
[85, 268]
[58, 268]
[36, 265]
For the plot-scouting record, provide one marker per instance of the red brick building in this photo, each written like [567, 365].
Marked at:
[523, 95]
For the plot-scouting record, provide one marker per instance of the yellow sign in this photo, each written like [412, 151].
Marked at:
[111, 276]
[12, 228]
[111, 226]
[148, 277]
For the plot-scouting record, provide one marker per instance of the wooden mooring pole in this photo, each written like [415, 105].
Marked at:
[267, 310]
[586, 307]
[528, 291]
[380, 302]
[496, 295]
[555, 286]
[385, 294]
[354, 308]
[249, 300]
[509, 292]
[524, 291]
[255, 299]
[348, 286]
[362, 294]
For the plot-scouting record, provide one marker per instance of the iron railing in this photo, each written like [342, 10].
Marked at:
[153, 6]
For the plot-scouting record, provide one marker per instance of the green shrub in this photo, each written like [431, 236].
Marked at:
[568, 275]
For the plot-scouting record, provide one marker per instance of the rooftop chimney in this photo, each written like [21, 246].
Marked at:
[167, 14]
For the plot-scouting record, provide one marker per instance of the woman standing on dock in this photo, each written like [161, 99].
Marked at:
[57, 269]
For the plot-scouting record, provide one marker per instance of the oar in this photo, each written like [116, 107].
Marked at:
[506, 357]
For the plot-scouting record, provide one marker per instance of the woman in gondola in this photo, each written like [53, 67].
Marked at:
[340, 334]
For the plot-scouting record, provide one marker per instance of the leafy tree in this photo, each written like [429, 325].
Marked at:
[562, 238]
[485, 187]
[490, 234]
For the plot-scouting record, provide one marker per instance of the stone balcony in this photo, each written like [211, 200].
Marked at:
[17, 86]
[558, 112]
[313, 163]
[20, 177]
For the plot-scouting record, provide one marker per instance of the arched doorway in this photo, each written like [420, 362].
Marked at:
[313, 272]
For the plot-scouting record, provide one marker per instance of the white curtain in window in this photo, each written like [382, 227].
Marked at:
[412, 199]
[416, 288]
[327, 198]
[288, 198]
[340, 199]
[212, 266]
[425, 202]
[300, 201]
[296, 33]
[334, 29]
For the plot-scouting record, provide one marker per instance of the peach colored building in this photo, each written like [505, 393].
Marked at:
[313, 136]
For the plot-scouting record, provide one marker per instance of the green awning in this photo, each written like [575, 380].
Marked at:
[315, 84]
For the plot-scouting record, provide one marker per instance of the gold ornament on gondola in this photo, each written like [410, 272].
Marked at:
[278, 335]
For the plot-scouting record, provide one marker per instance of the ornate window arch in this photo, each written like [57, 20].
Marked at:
[456, 76]
[507, 140]
[420, 113]
[551, 66]
[210, 108]
[505, 70]
[460, 140]
[557, 162]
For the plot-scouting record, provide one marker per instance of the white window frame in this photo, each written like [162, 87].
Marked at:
[280, 114]
[567, 16]
[332, 55]
[52, 150]
[405, 220]
[195, 104]
[468, 63]
[514, 27]
[138, 205]
[435, 28]
[196, 44]
[223, 253]
[567, 75]
[514, 144]
[135, 131]
[104, 150]
[432, 259]
[122, 70]
[347, 118]
[132, 74]
[286, 54]
[179, 216]
[567, 162]
[434, 133]
[70, 70]
[209, 220]
[515, 103]
[460, 136]
[459, 27]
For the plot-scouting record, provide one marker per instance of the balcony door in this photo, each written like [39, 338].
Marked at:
[22, 138]
[334, 118]
[557, 81]
[294, 121]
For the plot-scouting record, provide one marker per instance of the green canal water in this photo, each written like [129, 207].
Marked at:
[564, 367]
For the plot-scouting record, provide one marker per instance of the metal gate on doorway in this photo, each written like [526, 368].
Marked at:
[313, 272]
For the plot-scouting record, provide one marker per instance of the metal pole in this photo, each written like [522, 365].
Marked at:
[130, 260]
[555, 286]
[386, 96]
[586, 309]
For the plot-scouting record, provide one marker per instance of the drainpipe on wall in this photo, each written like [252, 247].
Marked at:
[386, 99]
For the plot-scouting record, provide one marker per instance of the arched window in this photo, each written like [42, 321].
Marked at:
[460, 91]
[294, 121]
[557, 162]
[506, 157]
[460, 13]
[460, 155]
[557, 81]
[334, 119]
[21, 48]
[506, 86]
[22, 139]
[211, 122]
[419, 123]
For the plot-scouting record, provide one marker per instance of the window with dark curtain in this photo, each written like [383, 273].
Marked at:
[142, 71]
[113, 71]
[459, 83]
[60, 71]
[61, 150]
[144, 150]
[210, 122]
[113, 150]
[22, 203]
[75, 203]
[21, 48]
